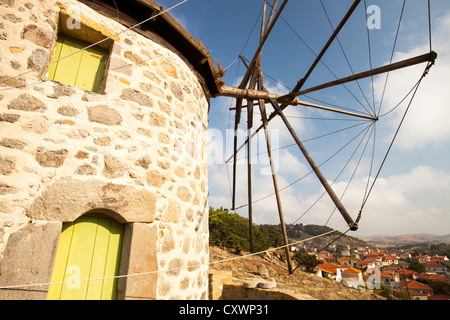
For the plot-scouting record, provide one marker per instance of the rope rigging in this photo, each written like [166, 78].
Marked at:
[27, 285]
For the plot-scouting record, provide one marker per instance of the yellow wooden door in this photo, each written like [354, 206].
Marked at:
[89, 248]
[83, 69]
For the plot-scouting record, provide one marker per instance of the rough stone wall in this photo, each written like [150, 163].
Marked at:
[136, 149]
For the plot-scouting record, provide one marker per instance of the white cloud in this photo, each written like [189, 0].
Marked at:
[426, 122]
[414, 202]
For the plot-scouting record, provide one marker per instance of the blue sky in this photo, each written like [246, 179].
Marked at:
[411, 194]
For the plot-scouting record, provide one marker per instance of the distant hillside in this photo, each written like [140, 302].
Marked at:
[228, 229]
[407, 239]
[299, 232]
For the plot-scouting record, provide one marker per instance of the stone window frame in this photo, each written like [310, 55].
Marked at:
[87, 32]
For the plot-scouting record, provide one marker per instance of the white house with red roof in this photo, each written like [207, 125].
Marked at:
[432, 267]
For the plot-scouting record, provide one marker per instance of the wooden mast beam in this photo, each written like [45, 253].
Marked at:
[274, 177]
[243, 85]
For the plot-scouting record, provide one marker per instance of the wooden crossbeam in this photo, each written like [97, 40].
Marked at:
[428, 57]
[250, 95]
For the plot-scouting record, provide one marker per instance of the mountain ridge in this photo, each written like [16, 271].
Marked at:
[407, 238]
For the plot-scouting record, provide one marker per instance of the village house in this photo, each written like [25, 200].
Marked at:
[340, 273]
[310, 248]
[408, 274]
[330, 259]
[352, 277]
[348, 261]
[413, 290]
[390, 270]
[388, 260]
[322, 254]
[366, 264]
[439, 258]
[423, 258]
[389, 279]
[432, 267]
[330, 271]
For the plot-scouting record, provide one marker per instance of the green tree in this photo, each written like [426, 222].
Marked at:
[306, 260]
[417, 267]
[439, 287]
[230, 230]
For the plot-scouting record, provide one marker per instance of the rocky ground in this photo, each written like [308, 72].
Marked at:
[274, 269]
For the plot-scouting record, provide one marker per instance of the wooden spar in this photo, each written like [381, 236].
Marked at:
[242, 85]
[249, 159]
[274, 177]
[236, 123]
[264, 19]
[428, 57]
[327, 45]
[337, 202]
[317, 106]
[249, 180]
[261, 44]
[266, 96]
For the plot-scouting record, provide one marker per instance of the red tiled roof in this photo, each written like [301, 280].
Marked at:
[438, 258]
[434, 277]
[415, 285]
[432, 264]
[389, 269]
[347, 258]
[330, 267]
[351, 270]
[407, 272]
[388, 275]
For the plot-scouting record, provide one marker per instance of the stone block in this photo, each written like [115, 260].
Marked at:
[28, 258]
[104, 115]
[67, 199]
[139, 256]
[50, 158]
[27, 102]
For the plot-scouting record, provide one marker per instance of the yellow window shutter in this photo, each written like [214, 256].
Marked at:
[89, 248]
[83, 69]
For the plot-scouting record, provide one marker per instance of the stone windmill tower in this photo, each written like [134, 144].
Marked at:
[102, 152]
